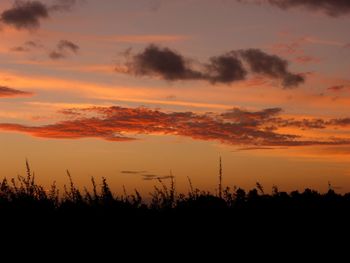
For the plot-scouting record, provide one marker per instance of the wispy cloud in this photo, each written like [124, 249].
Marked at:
[339, 88]
[27, 46]
[260, 148]
[63, 48]
[66, 45]
[332, 8]
[10, 92]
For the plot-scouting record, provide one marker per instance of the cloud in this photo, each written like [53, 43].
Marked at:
[269, 119]
[332, 8]
[65, 45]
[163, 62]
[340, 122]
[63, 48]
[27, 46]
[20, 49]
[272, 66]
[25, 14]
[147, 176]
[225, 69]
[248, 118]
[29, 14]
[170, 65]
[260, 148]
[152, 177]
[33, 44]
[295, 50]
[338, 88]
[120, 124]
[56, 55]
[9, 92]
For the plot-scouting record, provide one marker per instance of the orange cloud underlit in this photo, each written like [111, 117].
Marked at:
[233, 127]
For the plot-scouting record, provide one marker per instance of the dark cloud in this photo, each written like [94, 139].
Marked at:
[9, 92]
[25, 14]
[29, 14]
[112, 123]
[33, 44]
[27, 46]
[272, 66]
[330, 7]
[65, 45]
[146, 176]
[268, 119]
[63, 48]
[56, 55]
[303, 124]
[227, 68]
[339, 122]
[20, 49]
[163, 62]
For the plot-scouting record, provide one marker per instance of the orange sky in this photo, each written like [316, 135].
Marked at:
[132, 90]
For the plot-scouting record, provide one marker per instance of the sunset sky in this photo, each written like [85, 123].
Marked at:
[131, 90]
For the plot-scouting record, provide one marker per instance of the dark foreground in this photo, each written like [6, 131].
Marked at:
[234, 216]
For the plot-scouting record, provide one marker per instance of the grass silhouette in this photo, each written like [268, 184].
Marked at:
[23, 194]
[93, 218]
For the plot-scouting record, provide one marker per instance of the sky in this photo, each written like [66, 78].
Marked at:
[139, 90]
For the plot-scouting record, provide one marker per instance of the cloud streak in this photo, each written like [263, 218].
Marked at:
[235, 127]
[147, 176]
[332, 8]
[10, 92]
[233, 66]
